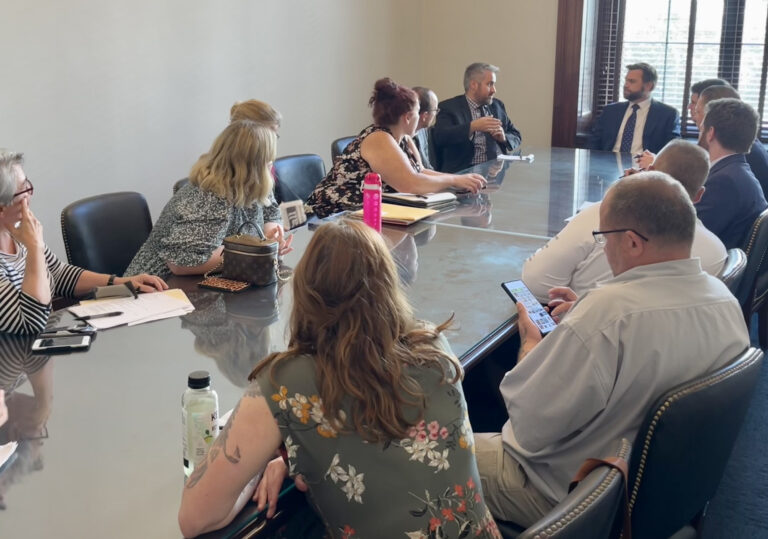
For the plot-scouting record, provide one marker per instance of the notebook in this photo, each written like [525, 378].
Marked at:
[395, 214]
[432, 200]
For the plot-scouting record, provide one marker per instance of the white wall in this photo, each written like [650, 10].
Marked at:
[519, 36]
[107, 96]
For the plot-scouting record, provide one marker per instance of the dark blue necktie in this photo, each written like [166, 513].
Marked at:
[629, 130]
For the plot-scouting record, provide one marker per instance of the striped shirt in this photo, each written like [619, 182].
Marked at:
[20, 312]
[17, 361]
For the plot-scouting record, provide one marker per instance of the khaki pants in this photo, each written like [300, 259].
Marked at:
[506, 489]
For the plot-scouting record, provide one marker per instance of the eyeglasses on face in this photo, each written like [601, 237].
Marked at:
[599, 235]
[27, 188]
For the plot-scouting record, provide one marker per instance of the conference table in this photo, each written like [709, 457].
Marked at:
[100, 431]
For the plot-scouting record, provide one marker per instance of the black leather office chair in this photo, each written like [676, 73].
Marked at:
[683, 445]
[338, 146]
[753, 290]
[179, 184]
[733, 269]
[589, 511]
[297, 176]
[104, 232]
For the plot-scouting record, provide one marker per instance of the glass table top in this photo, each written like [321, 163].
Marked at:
[111, 463]
[100, 431]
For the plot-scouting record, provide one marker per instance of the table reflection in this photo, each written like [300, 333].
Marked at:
[27, 413]
[235, 329]
[533, 198]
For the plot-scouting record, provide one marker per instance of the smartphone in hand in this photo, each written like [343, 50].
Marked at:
[520, 294]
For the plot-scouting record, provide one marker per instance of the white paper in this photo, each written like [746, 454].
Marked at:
[509, 157]
[6, 451]
[145, 308]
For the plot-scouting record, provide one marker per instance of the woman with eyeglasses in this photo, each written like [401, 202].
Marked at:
[385, 147]
[29, 272]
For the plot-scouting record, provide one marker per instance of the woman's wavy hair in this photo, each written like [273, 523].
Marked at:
[390, 100]
[350, 315]
[237, 166]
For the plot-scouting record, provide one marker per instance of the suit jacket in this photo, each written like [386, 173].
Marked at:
[423, 141]
[454, 148]
[732, 200]
[758, 162]
[661, 125]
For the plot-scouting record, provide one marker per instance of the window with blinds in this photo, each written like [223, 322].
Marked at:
[685, 40]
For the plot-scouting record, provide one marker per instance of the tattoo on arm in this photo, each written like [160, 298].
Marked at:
[220, 444]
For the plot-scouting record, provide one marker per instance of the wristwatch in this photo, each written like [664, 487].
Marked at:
[111, 280]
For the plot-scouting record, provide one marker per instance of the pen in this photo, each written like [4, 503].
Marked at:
[100, 315]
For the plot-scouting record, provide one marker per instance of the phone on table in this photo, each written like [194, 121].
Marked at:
[520, 294]
[64, 343]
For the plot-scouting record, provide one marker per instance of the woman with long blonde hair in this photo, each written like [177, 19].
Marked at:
[228, 186]
[367, 401]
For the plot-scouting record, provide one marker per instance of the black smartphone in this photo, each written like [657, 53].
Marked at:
[63, 343]
[520, 293]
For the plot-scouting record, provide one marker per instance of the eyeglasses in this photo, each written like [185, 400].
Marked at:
[599, 235]
[29, 188]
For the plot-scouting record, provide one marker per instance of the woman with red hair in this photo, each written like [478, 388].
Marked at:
[385, 147]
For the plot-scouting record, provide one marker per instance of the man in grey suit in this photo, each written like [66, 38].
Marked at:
[427, 114]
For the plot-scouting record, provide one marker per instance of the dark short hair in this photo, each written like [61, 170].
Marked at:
[655, 205]
[717, 92]
[735, 123]
[698, 87]
[390, 100]
[649, 72]
[423, 94]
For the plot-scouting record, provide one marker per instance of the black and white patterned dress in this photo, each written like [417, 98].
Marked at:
[342, 188]
[19, 312]
[192, 225]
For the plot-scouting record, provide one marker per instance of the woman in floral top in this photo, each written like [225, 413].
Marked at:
[387, 149]
[367, 401]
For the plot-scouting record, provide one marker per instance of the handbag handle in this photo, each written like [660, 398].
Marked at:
[255, 225]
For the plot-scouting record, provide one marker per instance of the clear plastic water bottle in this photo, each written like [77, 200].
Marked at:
[199, 418]
[372, 201]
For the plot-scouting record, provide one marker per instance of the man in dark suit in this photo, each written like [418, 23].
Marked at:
[645, 125]
[474, 127]
[733, 198]
[757, 158]
[427, 113]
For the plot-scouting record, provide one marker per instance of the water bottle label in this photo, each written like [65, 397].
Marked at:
[202, 430]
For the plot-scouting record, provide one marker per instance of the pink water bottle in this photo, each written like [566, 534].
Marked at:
[372, 201]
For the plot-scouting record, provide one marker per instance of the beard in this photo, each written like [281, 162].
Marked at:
[632, 96]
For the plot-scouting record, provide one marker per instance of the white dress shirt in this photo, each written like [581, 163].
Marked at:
[637, 139]
[573, 258]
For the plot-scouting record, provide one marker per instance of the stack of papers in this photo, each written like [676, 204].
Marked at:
[145, 308]
[432, 200]
[399, 215]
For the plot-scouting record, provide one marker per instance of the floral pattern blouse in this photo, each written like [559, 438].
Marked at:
[424, 485]
[342, 188]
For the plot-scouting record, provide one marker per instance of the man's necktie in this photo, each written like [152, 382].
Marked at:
[491, 147]
[629, 130]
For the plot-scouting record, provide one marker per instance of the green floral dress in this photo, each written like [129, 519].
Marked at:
[425, 485]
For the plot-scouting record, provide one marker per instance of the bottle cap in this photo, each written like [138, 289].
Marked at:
[199, 380]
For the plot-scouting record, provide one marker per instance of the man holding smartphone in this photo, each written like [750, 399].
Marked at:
[574, 394]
